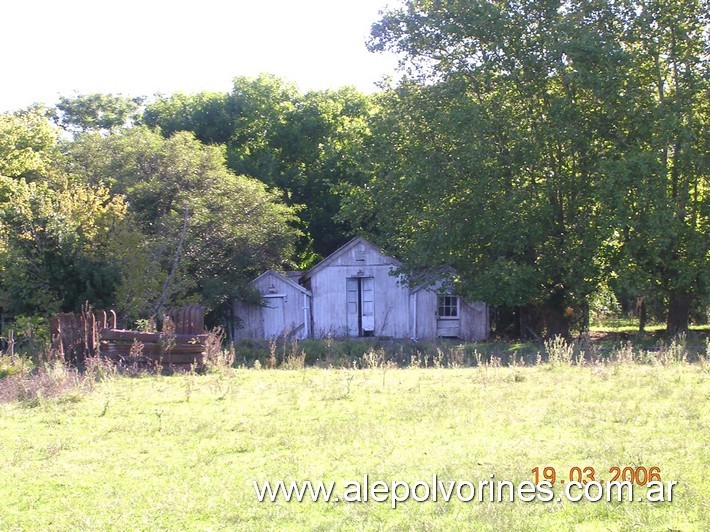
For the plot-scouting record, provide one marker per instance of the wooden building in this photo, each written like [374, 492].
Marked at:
[354, 292]
[286, 309]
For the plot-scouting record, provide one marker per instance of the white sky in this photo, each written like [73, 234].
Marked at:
[50, 48]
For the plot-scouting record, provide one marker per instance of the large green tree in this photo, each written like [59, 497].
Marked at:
[507, 149]
[28, 143]
[664, 208]
[209, 115]
[206, 230]
[57, 234]
[56, 241]
[97, 112]
[310, 152]
[306, 145]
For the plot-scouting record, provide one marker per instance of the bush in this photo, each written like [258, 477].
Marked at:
[14, 365]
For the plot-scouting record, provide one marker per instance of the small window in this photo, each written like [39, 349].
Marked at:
[448, 307]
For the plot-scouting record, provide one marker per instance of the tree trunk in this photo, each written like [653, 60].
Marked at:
[678, 312]
[556, 322]
[176, 261]
[554, 315]
[641, 309]
[229, 322]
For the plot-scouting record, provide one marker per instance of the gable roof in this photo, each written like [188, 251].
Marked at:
[344, 249]
[282, 278]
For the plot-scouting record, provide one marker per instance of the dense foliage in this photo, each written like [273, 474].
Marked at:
[554, 154]
[132, 220]
[307, 145]
[547, 150]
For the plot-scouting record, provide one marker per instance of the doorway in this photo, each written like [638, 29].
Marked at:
[361, 306]
[274, 315]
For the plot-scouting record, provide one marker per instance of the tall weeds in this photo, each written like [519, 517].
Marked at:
[559, 351]
[217, 359]
[46, 381]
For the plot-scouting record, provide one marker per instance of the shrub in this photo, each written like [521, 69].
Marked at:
[31, 335]
[559, 351]
[14, 365]
[216, 358]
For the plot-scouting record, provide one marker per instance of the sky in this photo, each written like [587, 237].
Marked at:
[52, 48]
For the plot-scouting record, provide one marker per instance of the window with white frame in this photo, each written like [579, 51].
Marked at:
[448, 306]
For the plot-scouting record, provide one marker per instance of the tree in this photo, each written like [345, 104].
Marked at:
[55, 239]
[264, 105]
[667, 210]
[555, 147]
[209, 115]
[306, 145]
[97, 112]
[208, 230]
[28, 143]
[320, 151]
[495, 148]
[55, 232]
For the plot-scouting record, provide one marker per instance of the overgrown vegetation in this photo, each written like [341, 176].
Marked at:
[102, 450]
[553, 154]
[32, 385]
[32, 378]
[357, 353]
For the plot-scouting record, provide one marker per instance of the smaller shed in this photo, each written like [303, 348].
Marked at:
[286, 309]
[437, 312]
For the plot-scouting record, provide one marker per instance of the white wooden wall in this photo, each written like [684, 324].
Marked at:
[423, 307]
[354, 279]
[474, 320]
[287, 310]
[329, 286]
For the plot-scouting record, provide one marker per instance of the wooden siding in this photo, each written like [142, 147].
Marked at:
[473, 317]
[352, 293]
[250, 326]
[286, 310]
[384, 301]
[474, 320]
[425, 313]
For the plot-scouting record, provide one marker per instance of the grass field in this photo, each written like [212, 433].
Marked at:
[631, 327]
[181, 452]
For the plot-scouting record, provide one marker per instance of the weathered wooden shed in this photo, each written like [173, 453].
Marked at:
[354, 292]
[435, 311]
[286, 309]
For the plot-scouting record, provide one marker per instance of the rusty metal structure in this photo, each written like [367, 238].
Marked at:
[77, 336]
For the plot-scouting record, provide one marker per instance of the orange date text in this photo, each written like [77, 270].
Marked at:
[636, 475]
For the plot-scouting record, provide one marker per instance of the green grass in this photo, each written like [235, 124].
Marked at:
[631, 326]
[181, 452]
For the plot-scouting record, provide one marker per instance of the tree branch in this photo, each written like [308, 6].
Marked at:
[176, 261]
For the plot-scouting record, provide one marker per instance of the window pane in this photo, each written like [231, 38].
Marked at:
[448, 306]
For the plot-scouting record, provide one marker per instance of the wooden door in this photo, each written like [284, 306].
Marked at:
[274, 316]
[367, 295]
[353, 302]
[360, 298]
